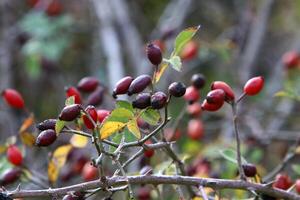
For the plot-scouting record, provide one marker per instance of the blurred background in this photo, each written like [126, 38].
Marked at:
[46, 45]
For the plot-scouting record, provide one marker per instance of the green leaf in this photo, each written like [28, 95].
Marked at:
[175, 62]
[120, 115]
[59, 126]
[151, 116]
[296, 169]
[4, 164]
[231, 156]
[182, 38]
[70, 101]
[124, 104]
[133, 128]
[282, 94]
[116, 139]
[32, 64]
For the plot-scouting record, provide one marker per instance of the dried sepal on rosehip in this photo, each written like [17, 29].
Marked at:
[198, 81]
[73, 91]
[177, 89]
[229, 94]
[122, 86]
[88, 84]
[93, 114]
[142, 101]
[254, 85]
[158, 100]
[139, 84]
[70, 113]
[13, 98]
[14, 155]
[192, 94]
[46, 138]
[154, 54]
[96, 97]
[47, 124]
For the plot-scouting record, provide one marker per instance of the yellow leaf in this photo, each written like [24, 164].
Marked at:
[53, 172]
[161, 70]
[27, 138]
[79, 141]
[27, 123]
[110, 128]
[133, 128]
[2, 148]
[297, 150]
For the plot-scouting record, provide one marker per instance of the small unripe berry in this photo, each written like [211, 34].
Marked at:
[10, 176]
[192, 94]
[297, 186]
[195, 129]
[177, 89]
[96, 97]
[13, 98]
[198, 81]
[102, 114]
[14, 155]
[142, 101]
[282, 181]
[73, 91]
[122, 86]
[291, 59]
[154, 54]
[216, 96]
[254, 85]
[210, 107]
[158, 100]
[229, 94]
[47, 124]
[70, 113]
[88, 84]
[149, 152]
[194, 109]
[189, 51]
[46, 138]
[249, 169]
[93, 114]
[89, 172]
[139, 84]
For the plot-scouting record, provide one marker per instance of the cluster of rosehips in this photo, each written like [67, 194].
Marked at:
[291, 59]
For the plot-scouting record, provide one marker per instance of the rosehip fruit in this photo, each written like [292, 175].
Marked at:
[154, 54]
[210, 107]
[192, 94]
[198, 81]
[70, 113]
[177, 89]
[13, 98]
[102, 114]
[249, 169]
[142, 123]
[96, 97]
[195, 129]
[229, 94]
[54, 8]
[88, 84]
[254, 85]
[158, 100]
[122, 86]
[189, 51]
[216, 96]
[144, 193]
[46, 138]
[47, 124]
[93, 114]
[282, 181]
[291, 59]
[72, 91]
[194, 109]
[142, 101]
[32, 3]
[10, 176]
[14, 155]
[139, 84]
[297, 186]
[89, 172]
[149, 152]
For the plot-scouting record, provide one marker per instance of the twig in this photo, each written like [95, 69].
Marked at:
[203, 193]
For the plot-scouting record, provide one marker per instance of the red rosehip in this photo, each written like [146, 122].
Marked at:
[79, 163]
[297, 186]
[194, 109]
[189, 51]
[158, 100]
[192, 94]
[254, 85]
[102, 114]
[88, 84]
[47, 124]
[154, 54]
[96, 97]
[89, 172]
[10, 176]
[195, 129]
[216, 96]
[13, 98]
[177, 89]
[142, 101]
[139, 84]
[249, 169]
[144, 193]
[122, 86]
[210, 107]
[72, 91]
[282, 181]
[46, 138]
[70, 113]
[149, 152]
[93, 114]
[32, 3]
[291, 59]
[229, 94]
[14, 155]
[161, 44]
[198, 81]
[54, 8]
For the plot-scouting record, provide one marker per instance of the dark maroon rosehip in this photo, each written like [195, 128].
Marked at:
[46, 138]
[93, 114]
[249, 169]
[139, 84]
[154, 54]
[198, 81]
[177, 89]
[122, 86]
[142, 101]
[10, 176]
[144, 193]
[47, 124]
[216, 96]
[70, 113]
[96, 97]
[146, 170]
[158, 100]
[88, 84]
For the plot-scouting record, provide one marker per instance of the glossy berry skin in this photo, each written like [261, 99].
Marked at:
[122, 86]
[189, 51]
[249, 169]
[149, 152]
[13, 98]
[154, 54]
[142, 101]
[14, 155]
[139, 84]
[144, 193]
[291, 59]
[211, 107]
[216, 96]
[177, 89]
[282, 181]
[89, 172]
[70, 113]
[254, 85]
[96, 97]
[10, 176]
[47, 124]
[93, 114]
[102, 114]
[195, 129]
[297, 186]
[88, 84]
[158, 100]
[73, 91]
[229, 94]
[198, 81]
[192, 94]
[46, 138]
[194, 109]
